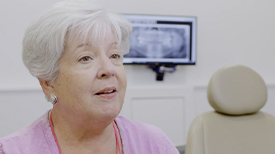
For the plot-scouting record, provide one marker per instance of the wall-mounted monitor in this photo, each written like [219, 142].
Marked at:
[160, 39]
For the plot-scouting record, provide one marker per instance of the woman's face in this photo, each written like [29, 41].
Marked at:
[91, 82]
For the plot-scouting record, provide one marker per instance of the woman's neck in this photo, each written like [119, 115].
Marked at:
[83, 135]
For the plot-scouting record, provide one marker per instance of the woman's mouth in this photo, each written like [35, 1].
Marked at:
[107, 93]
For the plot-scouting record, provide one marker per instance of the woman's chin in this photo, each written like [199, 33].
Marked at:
[110, 111]
[108, 115]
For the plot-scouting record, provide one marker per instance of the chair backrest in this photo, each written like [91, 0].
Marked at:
[237, 93]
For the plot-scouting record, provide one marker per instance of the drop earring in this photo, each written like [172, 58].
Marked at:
[53, 99]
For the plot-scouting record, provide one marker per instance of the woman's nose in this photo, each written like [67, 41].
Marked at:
[106, 68]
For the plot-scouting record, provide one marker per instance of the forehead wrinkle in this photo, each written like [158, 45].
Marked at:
[82, 45]
[87, 44]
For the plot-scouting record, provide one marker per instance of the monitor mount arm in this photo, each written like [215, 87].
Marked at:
[160, 69]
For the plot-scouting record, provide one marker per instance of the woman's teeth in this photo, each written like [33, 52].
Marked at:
[107, 92]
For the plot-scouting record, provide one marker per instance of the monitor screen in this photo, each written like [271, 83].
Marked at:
[162, 40]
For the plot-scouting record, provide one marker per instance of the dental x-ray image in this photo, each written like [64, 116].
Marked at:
[158, 42]
[161, 39]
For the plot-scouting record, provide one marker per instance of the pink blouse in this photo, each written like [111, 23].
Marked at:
[137, 138]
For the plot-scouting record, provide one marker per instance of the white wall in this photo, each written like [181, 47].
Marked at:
[229, 32]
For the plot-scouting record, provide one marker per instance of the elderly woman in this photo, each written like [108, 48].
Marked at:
[76, 50]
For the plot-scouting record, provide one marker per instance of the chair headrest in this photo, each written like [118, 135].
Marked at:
[237, 90]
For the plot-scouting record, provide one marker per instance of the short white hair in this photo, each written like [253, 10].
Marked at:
[46, 37]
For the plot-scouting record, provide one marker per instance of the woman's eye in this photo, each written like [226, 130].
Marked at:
[84, 59]
[115, 56]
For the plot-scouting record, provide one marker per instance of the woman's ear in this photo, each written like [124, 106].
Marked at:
[46, 87]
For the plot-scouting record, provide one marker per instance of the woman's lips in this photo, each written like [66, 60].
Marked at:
[107, 93]
[107, 89]
[107, 96]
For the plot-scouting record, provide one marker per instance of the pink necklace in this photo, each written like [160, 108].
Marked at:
[55, 139]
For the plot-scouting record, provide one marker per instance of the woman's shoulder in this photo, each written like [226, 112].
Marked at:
[133, 126]
[145, 138]
[26, 139]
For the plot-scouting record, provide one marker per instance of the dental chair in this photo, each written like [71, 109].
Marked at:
[237, 93]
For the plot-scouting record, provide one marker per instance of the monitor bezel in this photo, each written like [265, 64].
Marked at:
[193, 29]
